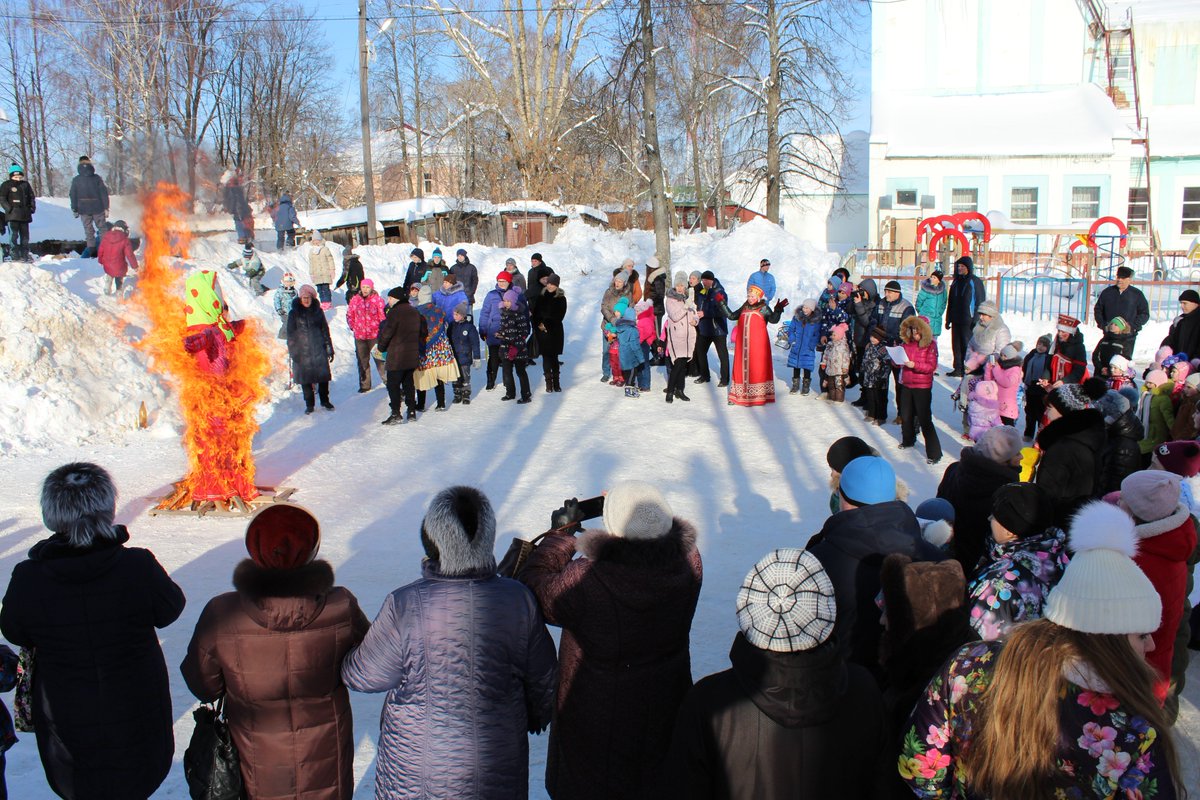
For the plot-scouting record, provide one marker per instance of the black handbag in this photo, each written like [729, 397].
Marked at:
[518, 553]
[210, 763]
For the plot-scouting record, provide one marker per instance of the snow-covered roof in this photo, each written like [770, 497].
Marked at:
[1078, 121]
[1175, 131]
[530, 207]
[1147, 11]
[577, 210]
[410, 210]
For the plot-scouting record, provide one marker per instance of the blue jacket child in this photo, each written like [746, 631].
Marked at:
[464, 339]
[804, 334]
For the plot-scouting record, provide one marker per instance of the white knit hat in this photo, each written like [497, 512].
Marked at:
[636, 510]
[786, 602]
[1102, 590]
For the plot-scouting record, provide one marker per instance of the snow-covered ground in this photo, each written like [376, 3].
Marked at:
[750, 479]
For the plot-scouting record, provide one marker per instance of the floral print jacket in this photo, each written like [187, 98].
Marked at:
[1012, 583]
[1105, 752]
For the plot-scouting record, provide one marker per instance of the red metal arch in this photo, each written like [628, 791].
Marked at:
[1121, 226]
[962, 216]
[949, 233]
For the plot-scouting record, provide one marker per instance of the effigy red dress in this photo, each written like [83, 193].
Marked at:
[752, 381]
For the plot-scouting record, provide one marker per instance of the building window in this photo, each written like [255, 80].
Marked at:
[1139, 209]
[1191, 211]
[963, 200]
[1024, 204]
[1085, 203]
[906, 197]
[428, 181]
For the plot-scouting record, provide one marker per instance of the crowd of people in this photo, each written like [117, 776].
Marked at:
[1007, 638]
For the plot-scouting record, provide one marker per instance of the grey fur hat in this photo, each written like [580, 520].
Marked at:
[79, 501]
[459, 531]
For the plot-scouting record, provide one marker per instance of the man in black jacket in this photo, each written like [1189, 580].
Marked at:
[1184, 335]
[967, 293]
[778, 723]
[89, 203]
[1125, 301]
[713, 328]
[871, 525]
[465, 273]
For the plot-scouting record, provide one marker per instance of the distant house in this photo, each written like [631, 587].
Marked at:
[688, 212]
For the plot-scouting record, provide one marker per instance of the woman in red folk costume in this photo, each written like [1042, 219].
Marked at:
[753, 380]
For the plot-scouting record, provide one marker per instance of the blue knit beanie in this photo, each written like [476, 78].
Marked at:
[868, 480]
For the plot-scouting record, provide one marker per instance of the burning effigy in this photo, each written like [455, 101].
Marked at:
[216, 366]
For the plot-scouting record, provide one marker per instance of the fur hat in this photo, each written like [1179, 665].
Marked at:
[283, 536]
[1156, 377]
[1149, 495]
[308, 290]
[868, 480]
[79, 501]
[1000, 444]
[418, 252]
[1068, 397]
[681, 278]
[424, 295]
[918, 596]
[1180, 457]
[1011, 351]
[916, 329]
[1067, 323]
[989, 308]
[1024, 509]
[459, 531]
[1102, 590]
[636, 510]
[1112, 405]
[786, 603]
[845, 450]
[839, 331]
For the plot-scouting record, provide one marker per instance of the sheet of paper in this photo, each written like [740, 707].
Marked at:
[897, 355]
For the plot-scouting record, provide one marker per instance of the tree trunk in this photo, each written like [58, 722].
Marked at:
[719, 191]
[398, 90]
[701, 206]
[417, 121]
[658, 199]
[773, 104]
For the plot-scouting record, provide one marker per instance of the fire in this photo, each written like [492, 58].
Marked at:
[218, 395]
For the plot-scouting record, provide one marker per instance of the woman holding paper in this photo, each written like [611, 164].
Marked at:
[916, 381]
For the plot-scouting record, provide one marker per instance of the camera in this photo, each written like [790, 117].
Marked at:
[575, 511]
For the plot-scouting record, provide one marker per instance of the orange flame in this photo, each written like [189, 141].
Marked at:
[218, 410]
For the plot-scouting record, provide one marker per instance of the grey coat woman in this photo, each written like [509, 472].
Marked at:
[467, 664]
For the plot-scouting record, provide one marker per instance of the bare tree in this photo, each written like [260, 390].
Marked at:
[796, 75]
[530, 89]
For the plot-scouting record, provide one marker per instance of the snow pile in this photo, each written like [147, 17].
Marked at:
[69, 372]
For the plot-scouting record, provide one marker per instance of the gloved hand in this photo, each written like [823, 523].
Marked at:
[568, 514]
[780, 305]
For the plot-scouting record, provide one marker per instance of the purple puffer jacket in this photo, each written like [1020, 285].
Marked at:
[470, 670]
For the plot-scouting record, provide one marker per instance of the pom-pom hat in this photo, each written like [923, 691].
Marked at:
[786, 603]
[1102, 590]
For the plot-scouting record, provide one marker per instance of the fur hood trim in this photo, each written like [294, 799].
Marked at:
[459, 531]
[916, 327]
[312, 579]
[1146, 530]
[599, 545]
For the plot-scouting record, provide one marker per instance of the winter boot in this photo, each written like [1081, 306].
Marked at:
[549, 383]
[679, 395]
[804, 387]
[670, 397]
[524, 399]
[795, 386]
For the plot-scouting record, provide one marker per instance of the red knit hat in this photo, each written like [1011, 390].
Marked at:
[283, 536]
[1181, 457]
[505, 276]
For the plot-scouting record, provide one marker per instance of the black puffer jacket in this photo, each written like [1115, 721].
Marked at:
[851, 547]
[549, 313]
[309, 343]
[1184, 336]
[17, 201]
[863, 309]
[1121, 456]
[1070, 465]
[776, 726]
[89, 195]
[968, 486]
[102, 702]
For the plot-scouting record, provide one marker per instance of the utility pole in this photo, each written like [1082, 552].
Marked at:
[365, 111]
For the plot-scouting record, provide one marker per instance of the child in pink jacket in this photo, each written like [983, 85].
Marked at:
[1007, 375]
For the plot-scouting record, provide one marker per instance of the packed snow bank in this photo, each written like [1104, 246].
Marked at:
[53, 220]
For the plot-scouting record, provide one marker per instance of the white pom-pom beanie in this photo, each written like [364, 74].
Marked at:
[1102, 590]
[636, 510]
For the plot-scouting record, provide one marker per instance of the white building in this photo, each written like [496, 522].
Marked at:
[1035, 109]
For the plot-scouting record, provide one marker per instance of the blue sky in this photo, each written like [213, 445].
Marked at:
[340, 24]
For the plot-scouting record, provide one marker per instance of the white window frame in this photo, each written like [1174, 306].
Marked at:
[958, 208]
[1189, 220]
[1013, 204]
[1089, 207]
